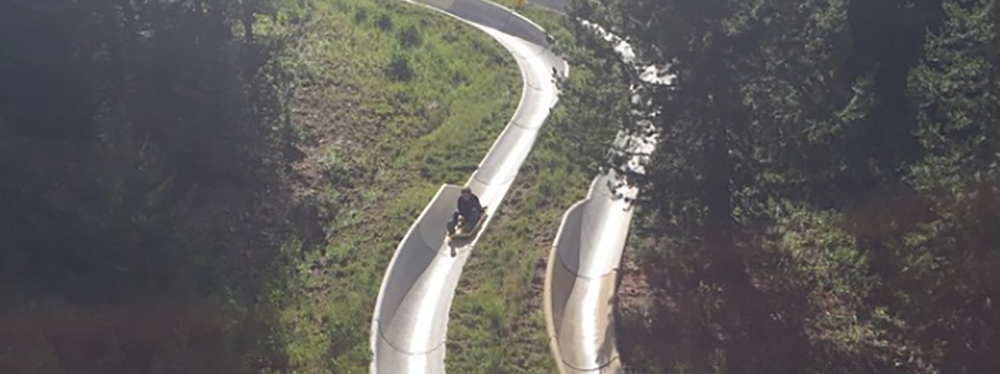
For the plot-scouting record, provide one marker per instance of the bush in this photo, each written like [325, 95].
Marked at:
[409, 37]
[399, 68]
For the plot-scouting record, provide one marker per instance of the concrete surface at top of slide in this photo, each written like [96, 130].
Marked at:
[409, 326]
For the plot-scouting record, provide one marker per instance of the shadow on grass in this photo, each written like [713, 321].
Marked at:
[726, 327]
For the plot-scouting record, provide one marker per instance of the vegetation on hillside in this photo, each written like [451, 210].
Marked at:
[215, 186]
[137, 143]
[210, 186]
[824, 197]
[448, 92]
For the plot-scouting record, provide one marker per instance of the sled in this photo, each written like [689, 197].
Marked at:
[462, 232]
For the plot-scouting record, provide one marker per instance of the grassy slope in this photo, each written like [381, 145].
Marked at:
[497, 320]
[376, 149]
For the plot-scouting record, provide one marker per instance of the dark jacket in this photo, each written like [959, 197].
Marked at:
[467, 206]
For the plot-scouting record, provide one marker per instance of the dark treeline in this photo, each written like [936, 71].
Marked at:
[825, 196]
[137, 141]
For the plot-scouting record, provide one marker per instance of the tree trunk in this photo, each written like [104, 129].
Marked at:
[248, 16]
[726, 263]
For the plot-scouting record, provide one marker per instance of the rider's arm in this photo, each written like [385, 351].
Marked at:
[475, 200]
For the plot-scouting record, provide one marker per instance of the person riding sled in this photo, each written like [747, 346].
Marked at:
[468, 213]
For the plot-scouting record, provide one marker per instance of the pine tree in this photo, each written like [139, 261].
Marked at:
[752, 116]
[957, 94]
[946, 264]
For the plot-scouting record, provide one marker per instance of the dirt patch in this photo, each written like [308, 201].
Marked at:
[642, 288]
[336, 133]
[643, 307]
[329, 121]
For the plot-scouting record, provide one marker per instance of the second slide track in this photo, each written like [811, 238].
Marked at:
[582, 273]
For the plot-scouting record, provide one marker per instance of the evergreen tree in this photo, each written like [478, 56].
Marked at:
[946, 263]
[114, 117]
[751, 117]
[792, 167]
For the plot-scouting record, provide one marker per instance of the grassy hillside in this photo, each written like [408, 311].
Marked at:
[395, 100]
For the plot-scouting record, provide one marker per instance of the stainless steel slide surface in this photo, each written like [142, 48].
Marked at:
[581, 276]
[409, 325]
[582, 272]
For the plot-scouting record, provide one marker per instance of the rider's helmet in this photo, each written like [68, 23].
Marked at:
[466, 190]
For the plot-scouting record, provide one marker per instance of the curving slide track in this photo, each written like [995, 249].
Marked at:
[581, 277]
[582, 272]
[409, 325]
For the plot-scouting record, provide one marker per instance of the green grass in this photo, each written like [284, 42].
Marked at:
[419, 97]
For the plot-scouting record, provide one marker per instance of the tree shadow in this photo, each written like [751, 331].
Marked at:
[148, 227]
[700, 326]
